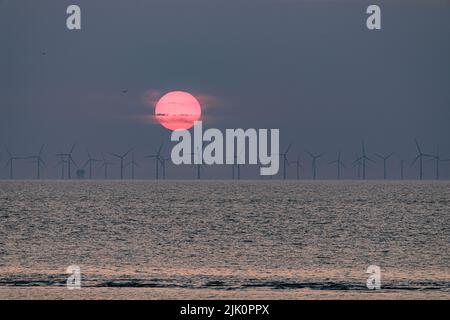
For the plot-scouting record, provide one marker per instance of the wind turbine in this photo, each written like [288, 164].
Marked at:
[11, 163]
[199, 166]
[89, 162]
[39, 162]
[157, 157]
[363, 159]
[133, 165]
[339, 164]
[163, 165]
[385, 158]
[62, 163]
[358, 163]
[69, 159]
[437, 159]
[105, 165]
[314, 162]
[419, 157]
[298, 166]
[285, 160]
[236, 165]
[121, 157]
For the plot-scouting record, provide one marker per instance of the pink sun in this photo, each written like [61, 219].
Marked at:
[178, 110]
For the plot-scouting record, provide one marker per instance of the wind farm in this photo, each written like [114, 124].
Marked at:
[289, 169]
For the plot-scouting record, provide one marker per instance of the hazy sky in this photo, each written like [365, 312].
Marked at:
[310, 68]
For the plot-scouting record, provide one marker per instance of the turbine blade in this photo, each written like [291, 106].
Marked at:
[115, 155]
[417, 146]
[379, 155]
[414, 161]
[160, 147]
[127, 152]
[9, 153]
[288, 148]
[40, 150]
[73, 147]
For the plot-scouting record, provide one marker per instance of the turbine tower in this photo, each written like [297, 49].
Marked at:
[69, 160]
[314, 162]
[105, 165]
[163, 165]
[437, 159]
[298, 166]
[363, 159]
[89, 162]
[237, 165]
[358, 163]
[157, 157]
[420, 156]
[339, 164]
[39, 162]
[133, 164]
[285, 160]
[198, 166]
[385, 158]
[121, 157]
[62, 163]
[10, 162]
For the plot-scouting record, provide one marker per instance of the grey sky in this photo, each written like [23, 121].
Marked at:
[310, 68]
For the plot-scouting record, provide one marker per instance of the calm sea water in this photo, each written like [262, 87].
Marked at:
[224, 239]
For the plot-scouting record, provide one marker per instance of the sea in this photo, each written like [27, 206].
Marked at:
[216, 239]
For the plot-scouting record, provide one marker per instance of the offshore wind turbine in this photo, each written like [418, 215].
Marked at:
[437, 159]
[62, 163]
[157, 157]
[420, 156]
[89, 162]
[339, 164]
[363, 159]
[385, 158]
[285, 160]
[69, 159]
[198, 166]
[133, 165]
[121, 157]
[105, 165]
[236, 166]
[298, 166]
[163, 165]
[357, 163]
[314, 162]
[39, 162]
[10, 162]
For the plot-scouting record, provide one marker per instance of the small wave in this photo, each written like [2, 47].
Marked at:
[232, 284]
